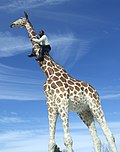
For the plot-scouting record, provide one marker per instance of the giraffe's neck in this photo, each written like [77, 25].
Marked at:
[32, 34]
[50, 67]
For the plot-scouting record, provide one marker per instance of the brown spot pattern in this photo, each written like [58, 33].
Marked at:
[82, 88]
[90, 95]
[33, 33]
[71, 88]
[50, 71]
[49, 81]
[55, 78]
[62, 79]
[57, 91]
[78, 84]
[44, 67]
[62, 89]
[70, 82]
[58, 74]
[61, 95]
[84, 84]
[59, 83]
[56, 70]
[66, 85]
[90, 89]
[45, 87]
[77, 88]
[53, 85]
[76, 98]
[58, 100]
[86, 90]
[65, 76]
[94, 95]
[50, 110]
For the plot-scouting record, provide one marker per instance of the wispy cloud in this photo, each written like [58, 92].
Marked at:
[10, 120]
[37, 139]
[111, 91]
[111, 96]
[21, 4]
[25, 141]
[67, 46]
[24, 84]
[12, 45]
[18, 84]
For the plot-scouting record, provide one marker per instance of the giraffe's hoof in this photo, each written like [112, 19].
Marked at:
[57, 149]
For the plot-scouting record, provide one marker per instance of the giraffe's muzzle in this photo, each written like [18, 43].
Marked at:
[12, 25]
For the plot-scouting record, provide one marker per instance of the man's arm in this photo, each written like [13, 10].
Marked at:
[39, 40]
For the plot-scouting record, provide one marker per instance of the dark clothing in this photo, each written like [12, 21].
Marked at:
[44, 49]
[44, 46]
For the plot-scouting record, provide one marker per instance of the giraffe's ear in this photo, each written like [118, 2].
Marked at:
[26, 15]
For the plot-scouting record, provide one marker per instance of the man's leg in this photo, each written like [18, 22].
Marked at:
[32, 54]
[41, 54]
[47, 50]
[44, 50]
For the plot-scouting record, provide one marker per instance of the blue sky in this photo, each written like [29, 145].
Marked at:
[84, 36]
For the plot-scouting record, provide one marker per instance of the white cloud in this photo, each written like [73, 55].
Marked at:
[111, 96]
[12, 45]
[17, 75]
[10, 120]
[25, 141]
[18, 84]
[14, 5]
[111, 91]
[67, 47]
[36, 140]
[64, 47]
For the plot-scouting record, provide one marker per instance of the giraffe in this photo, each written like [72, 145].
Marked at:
[64, 94]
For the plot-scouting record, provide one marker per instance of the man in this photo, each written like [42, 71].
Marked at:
[44, 45]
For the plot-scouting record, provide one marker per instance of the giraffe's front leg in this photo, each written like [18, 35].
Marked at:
[52, 115]
[63, 112]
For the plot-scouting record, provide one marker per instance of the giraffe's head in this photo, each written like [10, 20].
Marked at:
[20, 22]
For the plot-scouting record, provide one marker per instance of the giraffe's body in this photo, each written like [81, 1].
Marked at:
[80, 95]
[65, 94]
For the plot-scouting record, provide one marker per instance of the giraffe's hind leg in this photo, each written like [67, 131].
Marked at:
[88, 119]
[98, 114]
